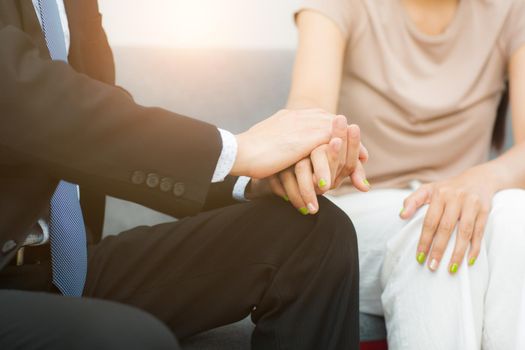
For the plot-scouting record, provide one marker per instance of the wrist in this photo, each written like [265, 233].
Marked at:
[241, 164]
[493, 175]
[258, 188]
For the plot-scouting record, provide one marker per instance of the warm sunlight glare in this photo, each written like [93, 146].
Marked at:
[200, 23]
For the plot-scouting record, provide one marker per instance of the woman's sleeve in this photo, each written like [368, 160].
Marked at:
[339, 11]
[514, 30]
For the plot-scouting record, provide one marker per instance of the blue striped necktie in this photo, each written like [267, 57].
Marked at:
[66, 225]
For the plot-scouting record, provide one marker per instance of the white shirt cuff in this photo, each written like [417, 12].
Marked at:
[239, 190]
[227, 157]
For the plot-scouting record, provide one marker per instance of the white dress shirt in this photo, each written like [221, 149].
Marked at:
[229, 143]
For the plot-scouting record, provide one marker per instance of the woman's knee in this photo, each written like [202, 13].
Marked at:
[512, 200]
[507, 220]
[508, 209]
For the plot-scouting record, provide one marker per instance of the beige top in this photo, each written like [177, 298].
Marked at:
[426, 104]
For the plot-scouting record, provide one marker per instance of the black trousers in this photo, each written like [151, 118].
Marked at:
[296, 275]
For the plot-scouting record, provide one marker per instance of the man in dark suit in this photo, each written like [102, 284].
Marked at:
[63, 122]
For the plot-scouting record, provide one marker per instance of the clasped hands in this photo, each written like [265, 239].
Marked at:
[299, 154]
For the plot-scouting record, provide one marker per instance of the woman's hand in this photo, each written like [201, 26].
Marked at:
[325, 169]
[465, 201]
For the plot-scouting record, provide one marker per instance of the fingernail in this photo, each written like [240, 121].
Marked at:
[365, 181]
[454, 268]
[354, 131]
[285, 197]
[472, 261]
[434, 265]
[402, 211]
[311, 208]
[421, 257]
[304, 211]
[322, 183]
[341, 123]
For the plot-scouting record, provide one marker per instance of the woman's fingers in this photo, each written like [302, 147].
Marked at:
[466, 226]
[299, 187]
[277, 187]
[446, 225]
[336, 156]
[325, 162]
[358, 178]
[291, 188]
[340, 132]
[415, 201]
[349, 164]
[353, 148]
[477, 236]
[430, 225]
[363, 154]
[321, 168]
[304, 176]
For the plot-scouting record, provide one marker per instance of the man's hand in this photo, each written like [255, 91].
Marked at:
[326, 167]
[281, 141]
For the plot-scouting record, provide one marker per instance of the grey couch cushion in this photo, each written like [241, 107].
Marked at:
[237, 336]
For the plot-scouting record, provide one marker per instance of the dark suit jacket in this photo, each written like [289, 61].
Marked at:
[69, 121]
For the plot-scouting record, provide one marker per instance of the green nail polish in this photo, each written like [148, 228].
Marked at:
[421, 257]
[285, 197]
[472, 261]
[365, 181]
[454, 268]
[322, 183]
[304, 211]
[402, 211]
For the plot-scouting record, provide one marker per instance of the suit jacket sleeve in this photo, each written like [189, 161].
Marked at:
[79, 129]
[221, 194]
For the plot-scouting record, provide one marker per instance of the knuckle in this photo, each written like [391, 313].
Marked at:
[467, 230]
[429, 225]
[442, 192]
[306, 192]
[301, 167]
[348, 168]
[478, 233]
[475, 200]
[460, 193]
[484, 210]
[446, 226]
[465, 234]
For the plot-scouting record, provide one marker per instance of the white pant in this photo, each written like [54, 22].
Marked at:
[481, 307]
